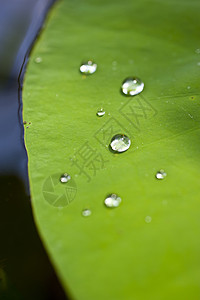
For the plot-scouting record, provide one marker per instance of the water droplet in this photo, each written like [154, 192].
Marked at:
[198, 64]
[88, 67]
[86, 212]
[65, 178]
[100, 112]
[112, 200]
[38, 60]
[148, 219]
[132, 86]
[188, 87]
[120, 143]
[161, 174]
[197, 51]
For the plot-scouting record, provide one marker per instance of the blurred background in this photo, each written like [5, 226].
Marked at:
[25, 269]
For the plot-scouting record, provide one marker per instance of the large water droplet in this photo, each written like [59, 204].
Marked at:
[132, 86]
[86, 212]
[161, 174]
[100, 112]
[112, 200]
[65, 178]
[120, 143]
[88, 67]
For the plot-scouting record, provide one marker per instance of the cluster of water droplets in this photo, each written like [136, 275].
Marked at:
[119, 143]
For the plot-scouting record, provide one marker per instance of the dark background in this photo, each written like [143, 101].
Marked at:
[25, 269]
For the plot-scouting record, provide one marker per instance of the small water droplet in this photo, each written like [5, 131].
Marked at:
[188, 87]
[198, 64]
[112, 201]
[120, 143]
[161, 174]
[148, 219]
[88, 67]
[197, 51]
[114, 63]
[38, 60]
[86, 212]
[100, 112]
[64, 178]
[132, 86]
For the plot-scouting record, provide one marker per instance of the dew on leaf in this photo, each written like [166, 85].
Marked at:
[88, 67]
[161, 174]
[64, 178]
[38, 60]
[112, 201]
[148, 219]
[86, 212]
[100, 112]
[120, 143]
[132, 86]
